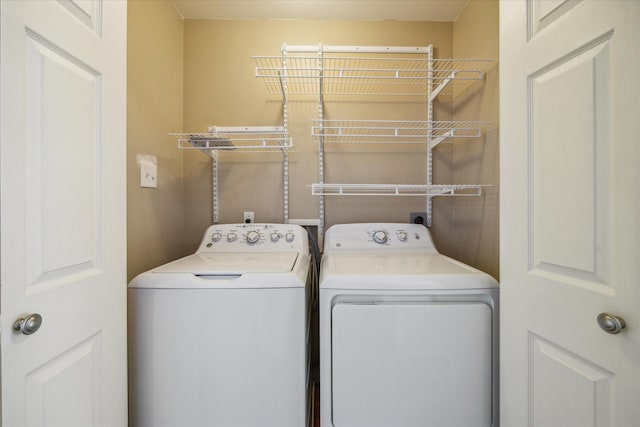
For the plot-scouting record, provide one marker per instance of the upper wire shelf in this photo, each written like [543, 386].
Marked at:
[374, 75]
[256, 138]
[394, 132]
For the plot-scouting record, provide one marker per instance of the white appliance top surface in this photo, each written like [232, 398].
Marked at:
[412, 263]
[237, 256]
[231, 263]
[384, 256]
[420, 270]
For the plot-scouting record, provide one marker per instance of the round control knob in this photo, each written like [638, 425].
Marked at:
[253, 237]
[275, 237]
[289, 237]
[231, 237]
[380, 237]
[402, 236]
[216, 237]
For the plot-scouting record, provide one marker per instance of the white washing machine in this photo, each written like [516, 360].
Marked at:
[408, 337]
[219, 338]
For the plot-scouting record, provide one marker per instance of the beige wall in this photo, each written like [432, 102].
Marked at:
[220, 89]
[474, 228]
[155, 217]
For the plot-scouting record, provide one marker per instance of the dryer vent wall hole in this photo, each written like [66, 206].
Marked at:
[418, 218]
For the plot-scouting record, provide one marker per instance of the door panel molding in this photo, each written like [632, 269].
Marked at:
[555, 374]
[89, 13]
[543, 13]
[71, 381]
[569, 169]
[64, 108]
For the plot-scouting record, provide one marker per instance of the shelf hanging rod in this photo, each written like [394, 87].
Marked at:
[247, 129]
[355, 49]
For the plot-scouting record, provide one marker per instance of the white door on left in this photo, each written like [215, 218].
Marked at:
[63, 212]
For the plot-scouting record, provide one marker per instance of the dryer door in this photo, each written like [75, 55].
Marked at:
[412, 364]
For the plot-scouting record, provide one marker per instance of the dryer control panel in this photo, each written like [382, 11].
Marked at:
[378, 236]
[255, 237]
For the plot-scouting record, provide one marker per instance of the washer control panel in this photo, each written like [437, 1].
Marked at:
[254, 238]
[378, 236]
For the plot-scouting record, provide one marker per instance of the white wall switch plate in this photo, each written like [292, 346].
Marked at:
[148, 175]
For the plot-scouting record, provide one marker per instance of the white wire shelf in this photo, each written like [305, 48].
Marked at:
[393, 131]
[396, 190]
[221, 139]
[379, 75]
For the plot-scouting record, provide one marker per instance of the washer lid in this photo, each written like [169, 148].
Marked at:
[231, 263]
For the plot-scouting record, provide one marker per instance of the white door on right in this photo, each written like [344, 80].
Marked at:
[570, 212]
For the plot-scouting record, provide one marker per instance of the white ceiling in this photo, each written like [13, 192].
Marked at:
[403, 10]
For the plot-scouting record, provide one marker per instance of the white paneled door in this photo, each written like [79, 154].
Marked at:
[570, 233]
[63, 216]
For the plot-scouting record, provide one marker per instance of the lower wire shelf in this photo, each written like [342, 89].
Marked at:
[397, 190]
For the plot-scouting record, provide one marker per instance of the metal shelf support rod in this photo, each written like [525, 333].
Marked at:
[430, 98]
[214, 176]
[321, 146]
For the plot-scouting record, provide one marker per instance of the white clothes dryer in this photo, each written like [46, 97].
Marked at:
[408, 337]
[220, 338]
